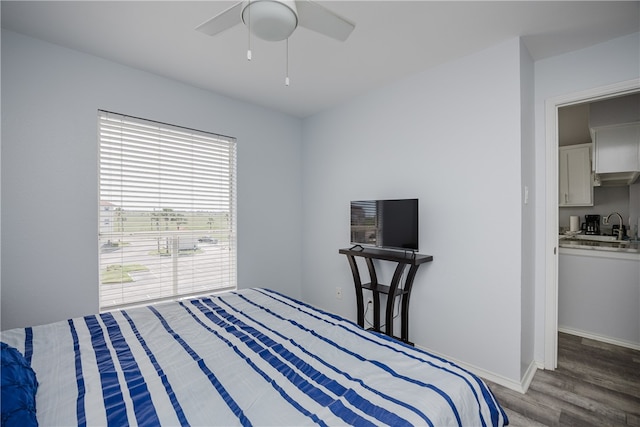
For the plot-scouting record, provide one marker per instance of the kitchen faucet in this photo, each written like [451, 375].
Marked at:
[621, 229]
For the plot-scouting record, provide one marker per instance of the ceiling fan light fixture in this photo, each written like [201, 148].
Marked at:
[270, 20]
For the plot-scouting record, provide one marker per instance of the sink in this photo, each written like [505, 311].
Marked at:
[597, 243]
[591, 238]
[597, 238]
[590, 241]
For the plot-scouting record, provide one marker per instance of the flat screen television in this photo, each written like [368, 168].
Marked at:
[387, 224]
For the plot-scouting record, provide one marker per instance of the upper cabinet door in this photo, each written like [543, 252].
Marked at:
[617, 148]
[576, 185]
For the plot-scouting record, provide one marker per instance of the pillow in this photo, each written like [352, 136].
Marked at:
[19, 386]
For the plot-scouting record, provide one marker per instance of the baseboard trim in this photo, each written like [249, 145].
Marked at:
[520, 387]
[529, 373]
[596, 337]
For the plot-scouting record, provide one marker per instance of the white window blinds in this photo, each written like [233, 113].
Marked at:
[167, 211]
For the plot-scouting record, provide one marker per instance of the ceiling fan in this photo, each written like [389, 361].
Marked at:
[275, 20]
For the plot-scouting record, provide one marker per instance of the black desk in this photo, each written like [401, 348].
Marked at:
[395, 290]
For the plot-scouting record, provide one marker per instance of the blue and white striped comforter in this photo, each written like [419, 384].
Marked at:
[251, 357]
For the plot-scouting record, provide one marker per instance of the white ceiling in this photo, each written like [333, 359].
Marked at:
[392, 39]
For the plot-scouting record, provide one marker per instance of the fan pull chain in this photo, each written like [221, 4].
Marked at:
[249, 31]
[286, 78]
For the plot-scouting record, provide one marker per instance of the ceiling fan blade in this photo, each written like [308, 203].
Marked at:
[320, 19]
[222, 21]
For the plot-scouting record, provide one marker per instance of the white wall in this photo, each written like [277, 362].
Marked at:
[50, 98]
[597, 66]
[449, 136]
[454, 136]
[605, 201]
[527, 327]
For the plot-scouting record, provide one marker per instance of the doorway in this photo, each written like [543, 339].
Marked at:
[551, 233]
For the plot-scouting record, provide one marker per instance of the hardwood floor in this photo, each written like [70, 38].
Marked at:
[595, 384]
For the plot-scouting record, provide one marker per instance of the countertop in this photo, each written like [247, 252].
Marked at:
[600, 245]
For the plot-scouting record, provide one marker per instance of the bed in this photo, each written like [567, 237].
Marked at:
[248, 357]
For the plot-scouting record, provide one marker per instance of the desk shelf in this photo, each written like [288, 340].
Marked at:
[383, 289]
[402, 259]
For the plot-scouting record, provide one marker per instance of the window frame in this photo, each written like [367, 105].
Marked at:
[190, 193]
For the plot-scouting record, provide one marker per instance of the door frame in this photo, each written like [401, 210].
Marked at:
[551, 234]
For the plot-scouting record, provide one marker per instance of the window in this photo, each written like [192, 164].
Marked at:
[167, 225]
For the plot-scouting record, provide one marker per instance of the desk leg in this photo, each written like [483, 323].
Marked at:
[391, 298]
[404, 335]
[376, 295]
[358, 284]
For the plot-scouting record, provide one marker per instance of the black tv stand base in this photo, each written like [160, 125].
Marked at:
[394, 290]
[392, 336]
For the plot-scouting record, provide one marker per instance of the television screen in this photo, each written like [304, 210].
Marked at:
[391, 224]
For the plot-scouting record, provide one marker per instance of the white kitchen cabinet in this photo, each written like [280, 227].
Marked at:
[616, 148]
[599, 297]
[576, 185]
